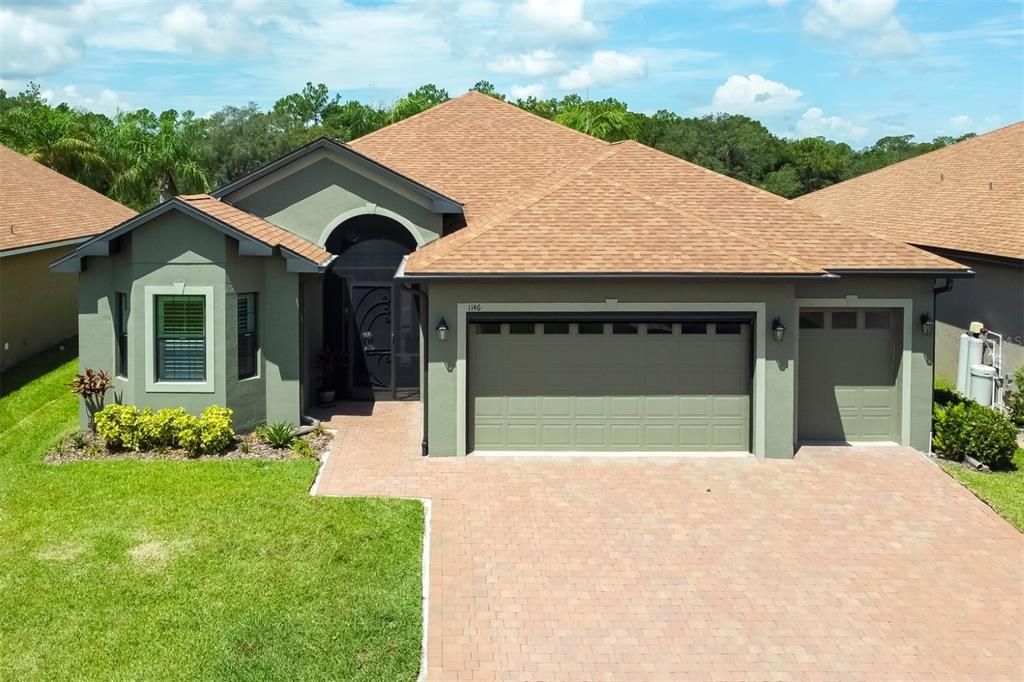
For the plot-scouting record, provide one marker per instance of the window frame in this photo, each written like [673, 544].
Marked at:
[254, 308]
[122, 311]
[210, 331]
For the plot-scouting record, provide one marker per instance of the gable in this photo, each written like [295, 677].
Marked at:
[314, 193]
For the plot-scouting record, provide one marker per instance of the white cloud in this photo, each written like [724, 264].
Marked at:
[960, 123]
[106, 101]
[191, 29]
[754, 95]
[605, 68]
[31, 47]
[533, 64]
[559, 19]
[814, 123]
[777, 3]
[526, 91]
[868, 25]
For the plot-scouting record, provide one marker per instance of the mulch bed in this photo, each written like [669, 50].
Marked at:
[84, 446]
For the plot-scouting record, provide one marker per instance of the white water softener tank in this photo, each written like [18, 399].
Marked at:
[983, 379]
[972, 349]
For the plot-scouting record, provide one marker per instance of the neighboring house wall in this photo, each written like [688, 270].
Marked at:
[995, 296]
[37, 307]
[175, 251]
[319, 192]
[778, 298]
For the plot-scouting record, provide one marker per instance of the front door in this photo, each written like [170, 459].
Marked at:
[371, 324]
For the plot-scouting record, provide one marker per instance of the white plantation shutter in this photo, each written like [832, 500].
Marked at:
[181, 338]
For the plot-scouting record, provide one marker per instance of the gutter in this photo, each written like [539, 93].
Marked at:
[491, 276]
[420, 293]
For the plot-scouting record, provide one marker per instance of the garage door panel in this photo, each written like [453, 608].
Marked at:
[848, 381]
[609, 391]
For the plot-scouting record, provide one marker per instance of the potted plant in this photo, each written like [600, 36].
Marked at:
[325, 364]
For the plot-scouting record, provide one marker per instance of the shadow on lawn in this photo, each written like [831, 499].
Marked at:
[36, 366]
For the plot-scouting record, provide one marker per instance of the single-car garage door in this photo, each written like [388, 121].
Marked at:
[848, 368]
[595, 385]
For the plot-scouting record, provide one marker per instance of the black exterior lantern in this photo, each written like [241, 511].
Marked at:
[927, 324]
[442, 330]
[778, 329]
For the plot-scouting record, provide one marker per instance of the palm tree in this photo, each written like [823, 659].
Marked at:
[55, 137]
[156, 154]
[608, 121]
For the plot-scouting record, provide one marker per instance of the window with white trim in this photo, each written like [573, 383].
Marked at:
[180, 338]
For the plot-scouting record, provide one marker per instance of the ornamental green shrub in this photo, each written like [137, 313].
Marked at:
[210, 434]
[969, 429]
[302, 448]
[945, 393]
[277, 436]
[160, 429]
[117, 425]
[1015, 398]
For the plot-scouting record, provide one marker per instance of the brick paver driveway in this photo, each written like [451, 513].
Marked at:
[843, 564]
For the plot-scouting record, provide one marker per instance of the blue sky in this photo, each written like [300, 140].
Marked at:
[852, 70]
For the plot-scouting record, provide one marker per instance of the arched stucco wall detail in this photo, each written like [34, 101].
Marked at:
[421, 236]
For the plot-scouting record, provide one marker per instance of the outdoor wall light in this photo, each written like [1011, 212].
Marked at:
[442, 330]
[778, 329]
[927, 324]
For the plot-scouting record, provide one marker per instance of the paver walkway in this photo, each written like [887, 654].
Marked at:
[843, 564]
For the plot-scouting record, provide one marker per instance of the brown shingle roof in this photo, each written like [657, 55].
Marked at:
[41, 206]
[942, 199]
[257, 228]
[541, 198]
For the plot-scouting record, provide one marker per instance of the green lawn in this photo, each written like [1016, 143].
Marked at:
[163, 570]
[1003, 491]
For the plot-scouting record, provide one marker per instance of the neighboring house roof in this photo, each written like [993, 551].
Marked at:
[40, 207]
[543, 199]
[259, 236]
[440, 203]
[966, 197]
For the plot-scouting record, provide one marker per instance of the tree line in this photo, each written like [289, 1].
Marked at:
[141, 157]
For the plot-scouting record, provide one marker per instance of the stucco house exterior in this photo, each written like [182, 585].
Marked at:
[538, 289]
[43, 215]
[964, 202]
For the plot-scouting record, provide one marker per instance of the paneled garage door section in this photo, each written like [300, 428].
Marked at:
[848, 367]
[610, 386]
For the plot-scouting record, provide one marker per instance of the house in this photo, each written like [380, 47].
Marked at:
[964, 202]
[538, 288]
[43, 215]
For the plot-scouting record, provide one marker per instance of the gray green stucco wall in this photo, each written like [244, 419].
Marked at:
[176, 249]
[778, 297]
[322, 193]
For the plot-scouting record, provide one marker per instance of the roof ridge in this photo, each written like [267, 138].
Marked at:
[708, 223]
[788, 203]
[534, 195]
[905, 163]
[418, 114]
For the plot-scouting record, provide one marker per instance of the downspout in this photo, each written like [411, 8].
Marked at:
[416, 291]
[936, 292]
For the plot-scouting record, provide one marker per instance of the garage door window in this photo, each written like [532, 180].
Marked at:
[844, 319]
[659, 328]
[727, 328]
[693, 328]
[521, 328]
[591, 327]
[625, 328]
[812, 319]
[877, 319]
[556, 327]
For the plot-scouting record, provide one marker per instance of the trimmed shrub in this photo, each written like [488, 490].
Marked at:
[117, 425]
[1015, 398]
[969, 429]
[277, 436]
[210, 434]
[945, 393]
[125, 427]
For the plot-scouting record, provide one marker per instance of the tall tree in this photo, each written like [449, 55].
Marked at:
[157, 156]
[420, 99]
[608, 119]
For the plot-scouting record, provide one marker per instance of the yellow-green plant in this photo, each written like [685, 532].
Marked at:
[160, 429]
[302, 448]
[210, 434]
[117, 425]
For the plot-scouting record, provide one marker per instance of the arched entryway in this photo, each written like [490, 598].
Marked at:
[370, 323]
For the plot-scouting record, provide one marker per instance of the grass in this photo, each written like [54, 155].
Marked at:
[1002, 490]
[155, 570]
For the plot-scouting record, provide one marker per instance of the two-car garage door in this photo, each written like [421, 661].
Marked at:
[610, 384]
